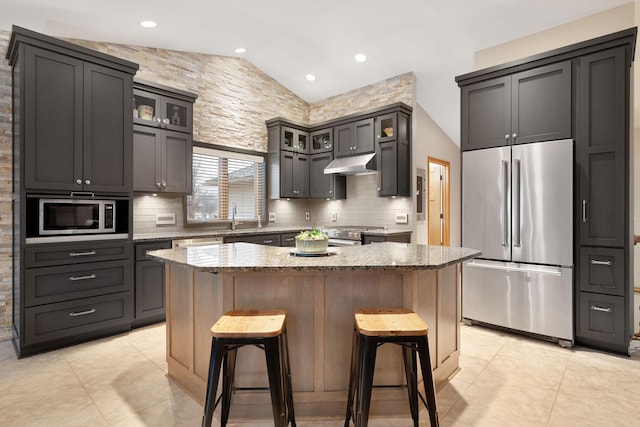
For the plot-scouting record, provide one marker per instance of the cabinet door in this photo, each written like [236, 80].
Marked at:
[601, 319]
[147, 105]
[107, 152]
[387, 158]
[320, 185]
[343, 139]
[601, 140]
[287, 184]
[176, 161]
[486, 114]
[147, 158]
[364, 136]
[150, 291]
[53, 120]
[301, 175]
[177, 115]
[541, 104]
[321, 141]
[602, 270]
[288, 138]
[386, 127]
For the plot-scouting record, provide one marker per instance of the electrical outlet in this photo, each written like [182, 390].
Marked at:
[334, 216]
[307, 216]
[272, 217]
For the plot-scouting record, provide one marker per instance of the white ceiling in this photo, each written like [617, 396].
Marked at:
[288, 39]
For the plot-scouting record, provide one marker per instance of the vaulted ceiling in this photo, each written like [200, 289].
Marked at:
[288, 39]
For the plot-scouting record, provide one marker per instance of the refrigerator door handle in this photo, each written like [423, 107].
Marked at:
[555, 271]
[516, 202]
[505, 193]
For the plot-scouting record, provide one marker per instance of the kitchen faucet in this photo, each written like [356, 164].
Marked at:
[234, 210]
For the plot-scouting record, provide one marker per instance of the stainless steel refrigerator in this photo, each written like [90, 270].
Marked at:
[517, 208]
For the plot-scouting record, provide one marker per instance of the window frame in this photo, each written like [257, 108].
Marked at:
[227, 222]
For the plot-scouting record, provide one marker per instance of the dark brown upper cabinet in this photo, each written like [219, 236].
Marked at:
[76, 123]
[354, 138]
[321, 141]
[530, 106]
[294, 140]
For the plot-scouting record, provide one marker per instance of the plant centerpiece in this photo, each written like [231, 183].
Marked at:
[312, 241]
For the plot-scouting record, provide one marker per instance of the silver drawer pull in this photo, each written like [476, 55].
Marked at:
[605, 310]
[88, 253]
[74, 278]
[596, 262]
[266, 242]
[82, 313]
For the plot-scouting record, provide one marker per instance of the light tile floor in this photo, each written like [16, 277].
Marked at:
[505, 380]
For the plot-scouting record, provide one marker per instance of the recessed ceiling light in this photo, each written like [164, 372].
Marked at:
[240, 50]
[148, 24]
[360, 57]
[310, 77]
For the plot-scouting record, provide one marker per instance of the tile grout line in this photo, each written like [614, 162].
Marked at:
[75, 374]
[564, 372]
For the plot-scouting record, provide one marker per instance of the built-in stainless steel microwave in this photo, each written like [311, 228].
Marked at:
[76, 216]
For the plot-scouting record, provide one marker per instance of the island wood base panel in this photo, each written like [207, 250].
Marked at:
[320, 307]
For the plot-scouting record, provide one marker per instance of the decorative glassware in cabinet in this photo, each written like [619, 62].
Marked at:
[288, 139]
[177, 114]
[302, 141]
[321, 141]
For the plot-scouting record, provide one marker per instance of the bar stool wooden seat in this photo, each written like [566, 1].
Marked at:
[372, 328]
[261, 328]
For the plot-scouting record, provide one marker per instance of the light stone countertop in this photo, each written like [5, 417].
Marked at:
[237, 257]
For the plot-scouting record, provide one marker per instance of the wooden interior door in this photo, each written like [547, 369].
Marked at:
[438, 198]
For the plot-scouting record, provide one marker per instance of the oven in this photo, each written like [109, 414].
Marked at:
[346, 235]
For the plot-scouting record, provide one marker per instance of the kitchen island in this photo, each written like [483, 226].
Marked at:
[320, 295]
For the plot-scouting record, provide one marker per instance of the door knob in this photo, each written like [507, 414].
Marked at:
[87, 182]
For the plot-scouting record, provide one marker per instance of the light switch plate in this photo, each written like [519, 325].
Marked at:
[307, 216]
[334, 216]
[402, 218]
[272, 217]
[166, 219]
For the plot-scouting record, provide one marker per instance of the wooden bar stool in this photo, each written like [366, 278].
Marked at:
[374, 327]
[261, 328]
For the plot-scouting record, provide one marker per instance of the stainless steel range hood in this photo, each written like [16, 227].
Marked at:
[354, 165]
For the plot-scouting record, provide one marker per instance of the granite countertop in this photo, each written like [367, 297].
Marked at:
[203, 233]
[200, 233]
[237, 257]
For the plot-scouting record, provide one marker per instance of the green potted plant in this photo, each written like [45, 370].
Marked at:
[312, 241]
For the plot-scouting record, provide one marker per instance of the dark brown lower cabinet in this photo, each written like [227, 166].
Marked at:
[150, 296]
[601, 321]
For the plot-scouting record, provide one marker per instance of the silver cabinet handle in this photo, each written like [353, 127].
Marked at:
[514, 136]
[266, 242]
[88, 181]
[79, 181]
[506, 136]
[89, 277]
[604, 310]
[88, 253]
[82, 313]
[164, 184]
[166, 121]
[596, 262]
[584, 211]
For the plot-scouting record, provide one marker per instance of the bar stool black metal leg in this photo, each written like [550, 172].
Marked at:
[409, 356]
[369, 348]
[227, 384]
[272, 354]
[284, 351]
[352, 378]
[427, 380]
[215, 363]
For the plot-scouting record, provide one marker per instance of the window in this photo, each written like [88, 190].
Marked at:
[223, 181]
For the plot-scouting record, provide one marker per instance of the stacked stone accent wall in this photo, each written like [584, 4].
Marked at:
[6, 308]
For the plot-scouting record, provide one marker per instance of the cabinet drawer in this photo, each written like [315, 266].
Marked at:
[602, 270]
[288, 239]
[72, 318]
[260, 239]
[143, 248]
[54, 284]
[601, 318]
[74, 253]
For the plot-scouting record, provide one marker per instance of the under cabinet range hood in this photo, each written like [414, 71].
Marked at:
[353, 165]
